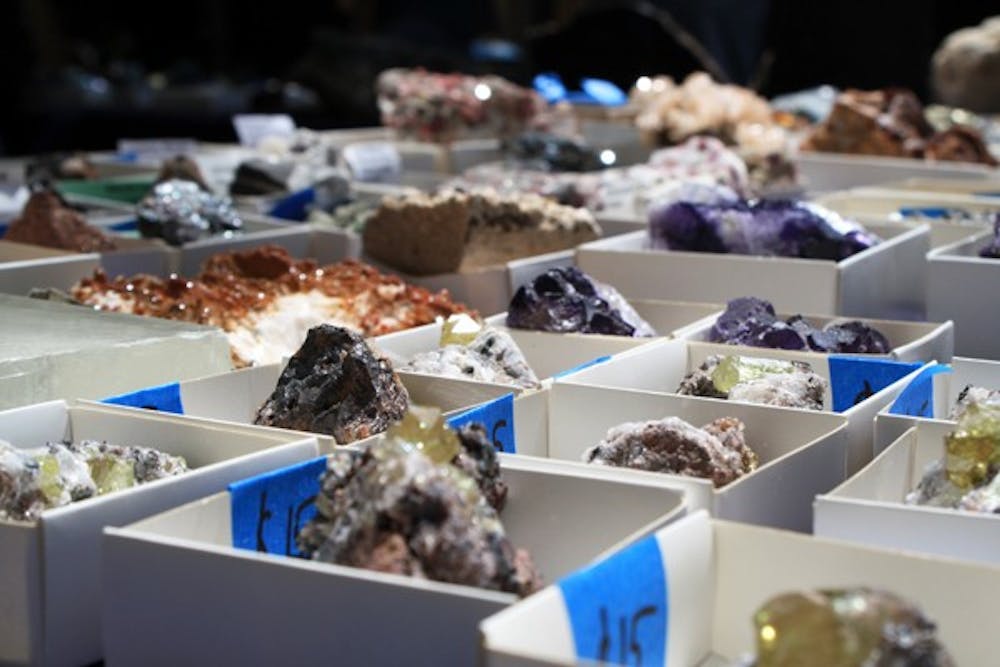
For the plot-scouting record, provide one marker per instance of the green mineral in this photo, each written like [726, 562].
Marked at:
[733, 370]
[460, 329]
[845, 628]
[424, 430]
[111, 473]
[973, 449]
[50, 481]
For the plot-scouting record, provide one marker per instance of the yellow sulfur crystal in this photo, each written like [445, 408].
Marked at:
[50, 479]
[424, 430]
[733, 370]
[460, 329]
[973, 449]
[111, 473]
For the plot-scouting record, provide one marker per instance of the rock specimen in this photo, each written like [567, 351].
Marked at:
[972, 394]
[857, 627]
[789, 384]
[778, 228]
[182, 168]
[752, 321]
[717, 451]
[47, 221]
[462, 231]
[337, 386]
[551, 152]
[992, 249]
[179, 211]
[408, 505]
[471, 351]
[566, 300]
[34, 480]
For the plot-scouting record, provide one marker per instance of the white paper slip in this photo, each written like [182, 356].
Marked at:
[254, 128]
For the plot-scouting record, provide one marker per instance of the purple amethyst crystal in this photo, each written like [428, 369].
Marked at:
[753, 322]
[782, 228]
[566, 300]
[992, 250]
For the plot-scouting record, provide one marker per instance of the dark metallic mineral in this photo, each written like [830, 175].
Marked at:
[179, 211]
[555, 153]
[335, 385]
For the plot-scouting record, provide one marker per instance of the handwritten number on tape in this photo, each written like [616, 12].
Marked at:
[498, 418]
[917, 399]
[618, 609]
[269, 510]
[855, 379]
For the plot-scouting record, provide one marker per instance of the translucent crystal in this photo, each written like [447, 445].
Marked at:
[423, 429]
[845, 628]
[733, 370]
[50, 481]
[111, 473]
[973, 449]
[460, 329]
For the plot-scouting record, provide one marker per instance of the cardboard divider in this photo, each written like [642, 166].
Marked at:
[719, 573]
[868, 284]
[51, 580]
[822, 172]
[233, 398]
[980, 188]
[909, 341]
[870, 507]
[183, 553]
[660, 366]
[23, 267]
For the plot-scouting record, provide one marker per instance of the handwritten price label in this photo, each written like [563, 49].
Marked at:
[498, 418]
[164, 397]
[855, 379]
[619, 609]
[269, 510]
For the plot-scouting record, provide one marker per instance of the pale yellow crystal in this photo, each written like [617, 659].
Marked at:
[111, 474]
[973, 448]
[733, 370]
[424, 429]
[460, 329]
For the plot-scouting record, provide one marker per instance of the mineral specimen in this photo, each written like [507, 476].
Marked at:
[492, 356]
[182, 168]
[780, 228]
[34, 480]
[555, 153]
[566, 300]
[857, 627]
[992, 249]
[403, 507]
[463, 231]
[717, 451]
[752, 321]
[47, 221]
[335, 385]
[972, 394]
[973, 448]
[179, 211]
[791, 384]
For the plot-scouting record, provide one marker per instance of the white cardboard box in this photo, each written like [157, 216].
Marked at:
[980, 188]
[24, 266]
[823, 172]
[234, 397]
[965, 288]
[910, 341]
[660, 367]
[940, 396]
[801, 453]
[717, 574]
[269, 609]
[878, 282]
[51, 350]
[869, 507]
[50, 570]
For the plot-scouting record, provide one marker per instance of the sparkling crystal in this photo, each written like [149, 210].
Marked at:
[973, 449]
[460, 329]
[733, 370]
[424, 429]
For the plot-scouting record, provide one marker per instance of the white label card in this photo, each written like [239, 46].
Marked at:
[374, 162]
[252, 128]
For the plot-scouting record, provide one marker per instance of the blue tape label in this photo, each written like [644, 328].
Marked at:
[269, 510]
[937, 212]
[618, 609]
[854, 379]
[498, 418]
[586, 364]
[917, 399]
[165, 398]
[295, 206]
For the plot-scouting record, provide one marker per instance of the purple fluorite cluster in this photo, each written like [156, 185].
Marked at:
[733, 225]
[566, 300]
[752, 321]
[992, 250]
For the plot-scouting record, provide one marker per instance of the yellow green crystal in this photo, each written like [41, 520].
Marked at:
[111, 474]
[50, 478]
[460, 329]
[973, 448]
[733, 370]
[424, 429]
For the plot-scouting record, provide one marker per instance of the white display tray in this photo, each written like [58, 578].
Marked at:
[823, 172]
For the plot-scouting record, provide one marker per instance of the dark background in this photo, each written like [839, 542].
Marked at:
[83, 74]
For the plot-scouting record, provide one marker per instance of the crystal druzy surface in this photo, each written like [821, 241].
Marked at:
[335, 385]
[716, 451]
[857, 627]
[179, 211]
[565, 300]
[752, 321]
[728, 224]
[37, 479]
[424, 501]
[790, 384]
